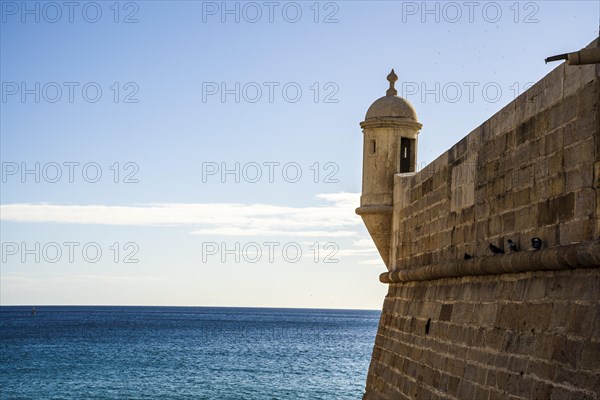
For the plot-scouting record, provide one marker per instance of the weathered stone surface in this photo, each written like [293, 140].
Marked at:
[536, 175]
[524, 325]
[517, 335]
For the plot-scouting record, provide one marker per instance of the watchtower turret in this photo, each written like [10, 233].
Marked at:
[390, 133]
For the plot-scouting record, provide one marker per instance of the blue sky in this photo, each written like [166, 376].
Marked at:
[163, 130]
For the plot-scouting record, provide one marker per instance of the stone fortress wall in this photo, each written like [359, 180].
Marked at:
[524, 325]
[526, 172]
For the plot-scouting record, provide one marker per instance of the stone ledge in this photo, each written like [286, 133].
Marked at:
[580, 255]
[391, 122]
[366, 210]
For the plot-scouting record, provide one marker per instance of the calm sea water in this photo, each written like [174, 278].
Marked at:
[184, 353]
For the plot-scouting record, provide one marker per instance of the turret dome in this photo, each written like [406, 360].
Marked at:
[391, 105]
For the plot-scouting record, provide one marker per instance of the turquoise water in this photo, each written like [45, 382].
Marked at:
[184, 353]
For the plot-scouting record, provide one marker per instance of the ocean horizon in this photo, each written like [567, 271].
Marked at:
[174, 352]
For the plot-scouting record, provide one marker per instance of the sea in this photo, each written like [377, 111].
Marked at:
[68, 352]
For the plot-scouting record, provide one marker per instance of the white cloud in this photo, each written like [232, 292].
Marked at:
[46, 278]
[334, 219]
[349, 199]
[239, 231]
[376, 261]
[368, 243]
[357, 252]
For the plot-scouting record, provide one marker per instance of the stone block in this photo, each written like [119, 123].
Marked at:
[558, 209]
[523, 177]
[578, 378]
[553, 141]
[536, 287]
[567, 351]
[587, 98]
[576, 231]
[524, 219]
[556, 185]
[584, 126]
[579, 178]
[558, 393]
[540, 390]
[580, 153]
[577, 77]
[542, 369]
[543, 345]
[525, 131]
[581, 319]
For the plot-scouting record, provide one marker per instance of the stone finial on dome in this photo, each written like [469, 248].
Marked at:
[391, 105]
[392, 78]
